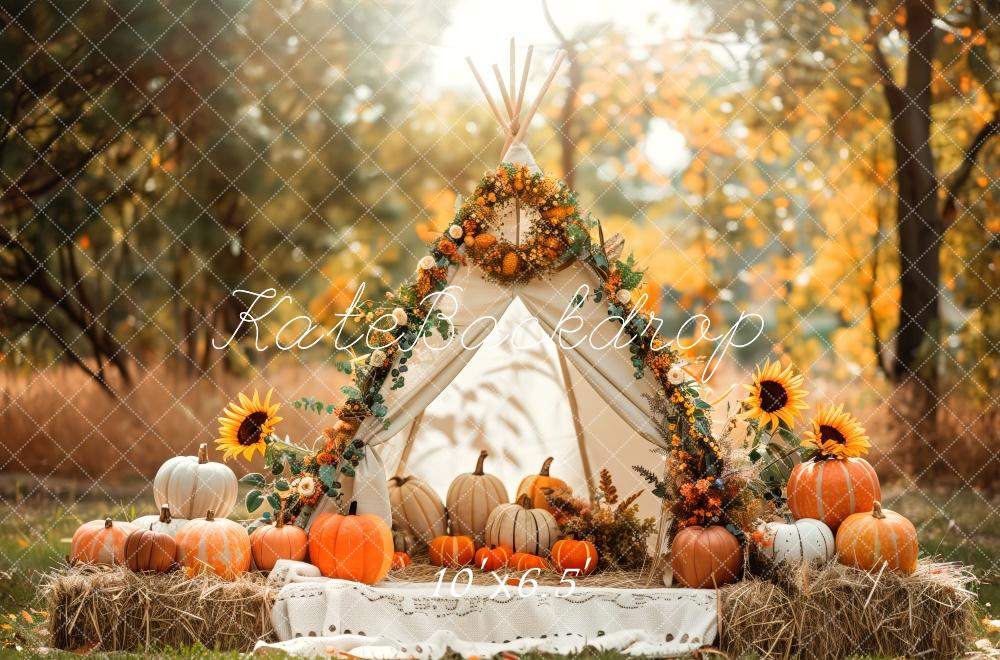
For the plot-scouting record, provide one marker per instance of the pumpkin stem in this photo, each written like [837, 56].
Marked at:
[202, 454]
[544, 472]
[877, 511]
[353, 509]
[210, 516]
[107, 523]
[165, 513]
[524, 501]
[280, 522]
[479, 464]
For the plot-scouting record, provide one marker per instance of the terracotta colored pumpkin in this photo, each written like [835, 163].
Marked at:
[215, 545]
[706, 557]
[472, 498]
[866, 540]
[569, 554]
[150, 551]
[192, 485]
[832, 489]
[493, 557]
[417, 509]
[536, 485]
[165, 522]
[453, 551]
[400, 560]
[269, 543]
[100, 542]
[522, 528]
[805, 540]
[523, 561]
[354, 547]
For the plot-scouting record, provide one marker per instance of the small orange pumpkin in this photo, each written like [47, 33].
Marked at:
[400, 560]
[569, 554]
[493, 557]
[832, 489]
[536, 485]
[269, 543]
[452, 551]
[215, 545]
[866, 540]
[146, 550]
[706, 557]
[100, 542]
[352, 547]
[523, 561]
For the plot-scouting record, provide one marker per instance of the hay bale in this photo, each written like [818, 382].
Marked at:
[835, 611]
[110, 608]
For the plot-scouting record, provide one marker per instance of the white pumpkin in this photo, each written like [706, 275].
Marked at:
[522, 528]
[164, 522]
[417, 509]
[367, 487]
[804, 540]
[471, 499]
[192, 486]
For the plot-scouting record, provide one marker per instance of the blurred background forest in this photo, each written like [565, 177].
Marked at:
[831, 165]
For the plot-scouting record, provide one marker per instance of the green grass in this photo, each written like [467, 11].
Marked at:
[34, 536]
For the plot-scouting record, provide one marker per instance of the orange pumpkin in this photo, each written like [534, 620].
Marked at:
[146, 550]
[536, 485]
[452, 551]
[866, 540]
[706, 557]
[400, 560]
[269, 543]
[352, 547]
[523, 561]
[832, 489]
[493, 557]
[570, 554]
[215, 545]
[100, 542]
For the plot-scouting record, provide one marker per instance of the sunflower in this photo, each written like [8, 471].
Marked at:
[836, 433]
[776, 395]
[247, 425]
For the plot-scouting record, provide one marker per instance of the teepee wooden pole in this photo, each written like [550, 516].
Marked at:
[503, 93]
[560, 56]
[524, 81]
[581, 442]
[489, 97]
[405, 456]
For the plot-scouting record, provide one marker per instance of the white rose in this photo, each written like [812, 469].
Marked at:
[624, 296]
[426, 263]
[400, 317]
[677, 375]
[377, 358]
[455, 231]
[306, 486]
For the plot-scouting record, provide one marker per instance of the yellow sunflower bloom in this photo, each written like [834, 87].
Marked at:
[776, 395]
[247, 425]
[836, 433]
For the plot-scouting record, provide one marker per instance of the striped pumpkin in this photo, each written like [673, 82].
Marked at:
[352, 547]
[525, 561]
[453, 551]
[100, 542]
[213, 545]
[570, 554]
[472, 498]
[832, 489]
[867, 540]
[522, 528]
[803, 541]
[417, 509]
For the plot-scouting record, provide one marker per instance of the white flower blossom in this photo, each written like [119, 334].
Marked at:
[426, 263]
[624, 296]
[676, 375]
[455, 231]
[306, 486]
[400, 317]
[377, 358]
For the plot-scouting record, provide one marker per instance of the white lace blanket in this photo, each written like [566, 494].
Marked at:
[409, 620]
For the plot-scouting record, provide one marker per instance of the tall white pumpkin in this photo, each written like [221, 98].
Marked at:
[522, 528]
[804, 540]
[471, 499]
[417, 509]
[192, 486]
[367, 487]
[165, 522]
